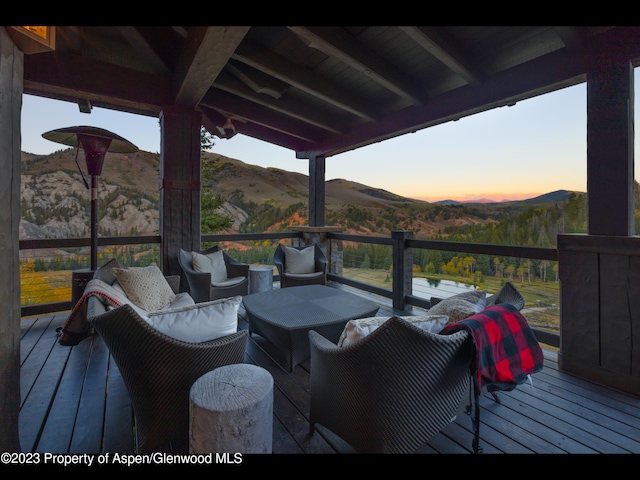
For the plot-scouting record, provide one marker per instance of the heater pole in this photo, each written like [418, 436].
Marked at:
[94, 222]
[95, 142]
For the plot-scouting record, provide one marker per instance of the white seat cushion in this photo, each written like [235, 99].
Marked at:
[199, 322]
[228, 282]
[303, 276]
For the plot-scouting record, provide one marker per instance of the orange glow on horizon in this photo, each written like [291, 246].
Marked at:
[481, 197]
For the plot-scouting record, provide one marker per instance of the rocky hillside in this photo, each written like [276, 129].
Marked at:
[55, 203]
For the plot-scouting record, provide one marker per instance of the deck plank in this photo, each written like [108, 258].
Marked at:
[87, 434]
[74, 400]
[39, 379]
[60, 423]
[118, 423]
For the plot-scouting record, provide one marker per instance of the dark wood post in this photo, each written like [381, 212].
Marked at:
[316, 191]
[11, 85]
[610, 159]
[179, 184]
[402, 268]
[599, 279]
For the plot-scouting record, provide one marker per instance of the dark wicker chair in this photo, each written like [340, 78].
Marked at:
[391, 391]
[319, 277]
[199, 283]
[507, 294]
[158, 370]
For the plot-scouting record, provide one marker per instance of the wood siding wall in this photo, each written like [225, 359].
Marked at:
[599, 292]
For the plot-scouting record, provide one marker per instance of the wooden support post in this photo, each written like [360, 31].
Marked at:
[402, 268]
[316, 191]
[179, 185]
[610, 158]
[11, 85]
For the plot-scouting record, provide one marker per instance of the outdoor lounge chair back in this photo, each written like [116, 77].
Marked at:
[158, 370]
[199, 283]
[318, 277]
[391, 391]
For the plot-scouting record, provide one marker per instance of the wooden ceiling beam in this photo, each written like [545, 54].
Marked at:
[69, 77]
[284, 105]
[572, 37]
[206, 52]
[236, 108]
[140, 44]
[212, 119]
[337, 43]
[303, 79]
[446, 50]
[552, 72]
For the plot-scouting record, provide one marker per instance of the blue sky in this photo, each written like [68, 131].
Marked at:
[536, 146]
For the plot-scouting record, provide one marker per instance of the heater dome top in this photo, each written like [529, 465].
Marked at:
[70, 136]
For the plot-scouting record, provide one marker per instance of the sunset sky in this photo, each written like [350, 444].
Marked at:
[535, 147]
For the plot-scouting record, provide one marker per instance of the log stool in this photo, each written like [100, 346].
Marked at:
[231, 411]
[260, 279]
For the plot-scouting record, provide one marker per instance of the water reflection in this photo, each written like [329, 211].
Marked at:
[429, 287]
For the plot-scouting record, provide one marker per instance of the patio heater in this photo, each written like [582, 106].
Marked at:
[95, 142]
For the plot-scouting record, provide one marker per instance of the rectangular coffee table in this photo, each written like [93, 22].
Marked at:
[284, 316]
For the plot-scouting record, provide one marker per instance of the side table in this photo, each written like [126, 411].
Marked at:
[260, 279]
[231, 410]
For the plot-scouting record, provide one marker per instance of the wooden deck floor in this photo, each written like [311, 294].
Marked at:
[74, 401]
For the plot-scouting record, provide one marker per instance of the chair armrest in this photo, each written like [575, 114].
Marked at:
[174, 282]
[235, 268]
[321, 265]
[320, 259]
[199, 286]
[321, 342]
[278, 260]
[434, 301]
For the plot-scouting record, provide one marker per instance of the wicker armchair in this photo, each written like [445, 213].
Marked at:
[391, 391]
[507, 294]
[319, 277]
[158, 370]
[200, 287]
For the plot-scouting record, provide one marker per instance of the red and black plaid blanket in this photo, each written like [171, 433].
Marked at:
[506, 348]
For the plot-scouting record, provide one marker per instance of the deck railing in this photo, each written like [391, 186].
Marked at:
[402, 246]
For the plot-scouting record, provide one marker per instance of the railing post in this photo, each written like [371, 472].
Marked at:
[402, 268]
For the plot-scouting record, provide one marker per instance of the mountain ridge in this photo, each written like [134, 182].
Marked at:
[551, 197]
[54, 199]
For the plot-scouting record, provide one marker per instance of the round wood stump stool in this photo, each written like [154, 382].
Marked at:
[260, 279]
[231, 411]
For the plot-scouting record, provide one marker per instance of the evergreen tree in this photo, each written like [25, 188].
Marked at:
[211, 220]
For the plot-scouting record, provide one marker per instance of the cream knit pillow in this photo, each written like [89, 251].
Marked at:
[460, 306]
[356, 330]
[145, 286]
